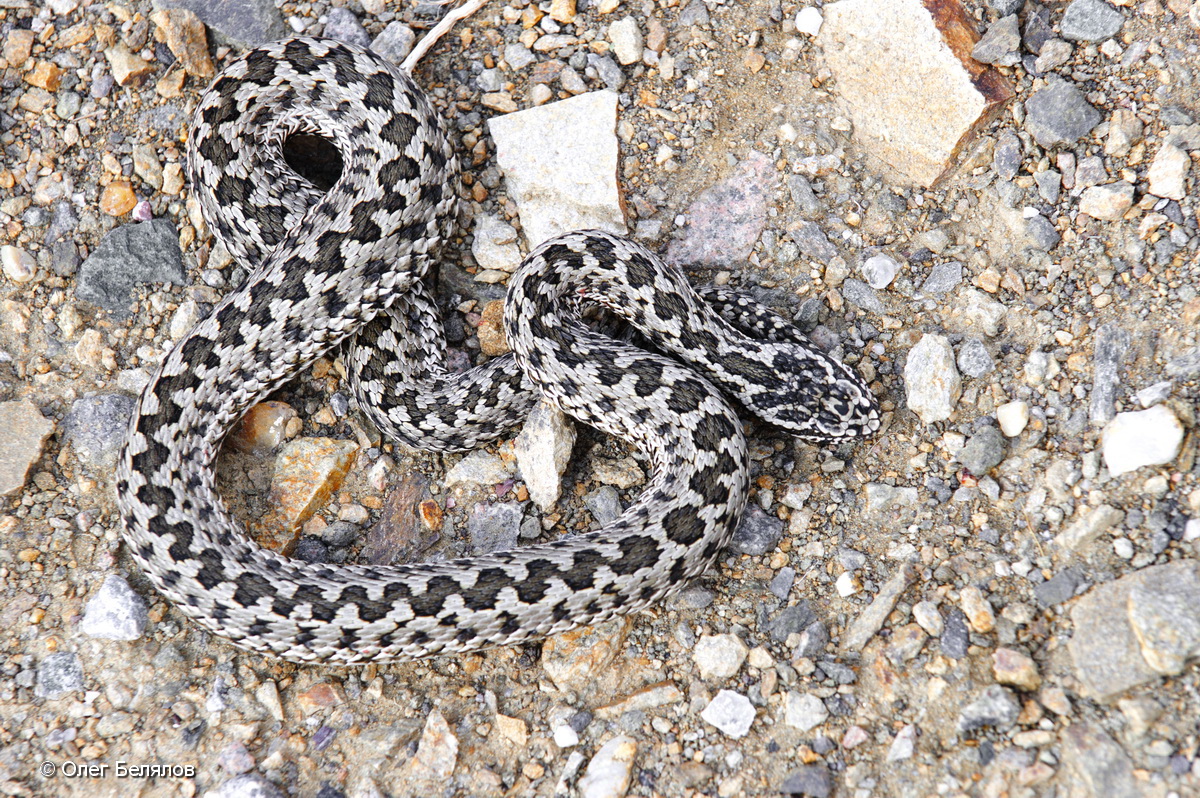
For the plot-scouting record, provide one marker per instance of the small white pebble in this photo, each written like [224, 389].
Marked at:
[809, 21]
[846, 584]
[1123, 548]
[1013, 417]
[565, 736]
[19, 265]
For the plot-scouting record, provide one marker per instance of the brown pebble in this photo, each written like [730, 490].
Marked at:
[263, 428]
[45, 75]
[431, 515]
[319, 696]
[491, 329]
[127, 68]
[118, 198]
[186, 38]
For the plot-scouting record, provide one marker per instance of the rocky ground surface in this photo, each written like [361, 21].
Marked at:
[995, 596]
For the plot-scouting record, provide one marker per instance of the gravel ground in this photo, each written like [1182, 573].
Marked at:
[995, 596]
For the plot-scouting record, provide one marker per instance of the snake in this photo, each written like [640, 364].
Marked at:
[351, 263]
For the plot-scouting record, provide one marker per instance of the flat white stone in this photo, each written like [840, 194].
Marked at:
[560, 165]
[1168, 172]
[1142, 438]
[931, 379]
[730, 712]
[809, 21]
[1013, 417]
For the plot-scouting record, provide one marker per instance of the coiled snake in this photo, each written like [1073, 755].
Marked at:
[326, 265]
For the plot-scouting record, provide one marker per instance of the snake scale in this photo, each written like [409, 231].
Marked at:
[330, 263]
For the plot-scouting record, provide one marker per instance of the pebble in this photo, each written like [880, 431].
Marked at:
[263, 428]
[1058, 588]
[904, 744]
[1168, 172]
[58, 675]
[186, 38]
[719, 656]
[1108, 202]
[927, 616]
[809, 780]
[626, 39]
[726, 219]
[977, 609]
[480, 467]
[791, 620]
[26, 433]
[1090, 21]
[341, 24]
[974, 360]
[730, 712]
[880, 270]
[996, 706]
[804, 712]
[808, 21]
[543, 449]
[1016, 669]
[235, 760]
[1058, 114]
[914, 103]
[955, 637]
[604, 503]
[115, 612]
[610, 771]
[1111, 344]
[1096, 764]
[1090, 527]
[143, 252]
[573, 659]
[308, 471]
[999, 45]
[494, 527]
[1013, 417]
[932, 382]
[1042, 233]
[757, 533]
[396, 40]
[1162, 613]
[19, 266]
[983, 451]
[495, 245]
[560, 164]
[871, 620]
[95, 427]
[943, 278]
[243, 24]
[431, 768]
[1141, 438]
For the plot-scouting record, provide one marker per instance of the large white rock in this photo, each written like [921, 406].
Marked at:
[1147, 437]
[931, 379]
[543, 449]
[560, 165]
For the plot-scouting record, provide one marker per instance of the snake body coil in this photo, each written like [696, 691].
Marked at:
[327, 265]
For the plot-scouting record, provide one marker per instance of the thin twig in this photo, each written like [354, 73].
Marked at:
[438, 31]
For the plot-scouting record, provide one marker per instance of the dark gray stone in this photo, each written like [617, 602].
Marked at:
[997, 706]
[95, 427]
[810, 780]
[604, 503]
[813, 641]
[802, 194]
[494, 527]
[792, 620]
[241, 23]
[1049, 184]
[1090, 21]
[955, 637]
[758, 533]
[999, 45]
[863, 295]
[58, 675]
[608, 71]
[813, 242]
[974, 360]
[1108, 356]
[944, 277]
[782, 582]
[695, 13]
[395, 42]
[143, 252]
[64, 258]
[983, 452]
[1041, 233]
[1058, 114]
[341, 24]
[1037, 29]
[1059, 588]
[1006, 159]
[838, 673]
[62, 224]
